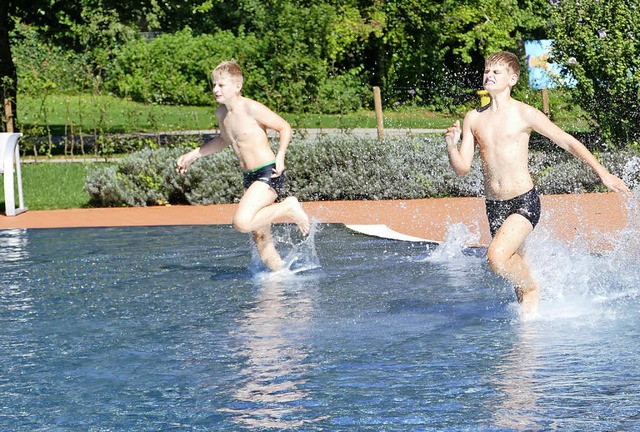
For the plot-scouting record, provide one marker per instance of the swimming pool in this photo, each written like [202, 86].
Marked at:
[179, 328]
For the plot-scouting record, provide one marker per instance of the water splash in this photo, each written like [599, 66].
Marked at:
[303, 256]
[298, 253]
[455, 244]
[631, 172]
[593, 286]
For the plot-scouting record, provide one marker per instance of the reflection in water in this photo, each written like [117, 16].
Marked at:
[13, 251]
[515, 380]
[13, 245]
[273, 355]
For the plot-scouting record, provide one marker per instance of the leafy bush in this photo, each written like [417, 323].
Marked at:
[45, 68]
[175, 68]
[352, 168]
[149, 177]
[598, 41]
[141, 179]
[335, 168]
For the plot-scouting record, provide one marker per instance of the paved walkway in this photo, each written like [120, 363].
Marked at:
[594, 217]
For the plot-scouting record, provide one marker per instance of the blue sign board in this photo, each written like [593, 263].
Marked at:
[543, 71]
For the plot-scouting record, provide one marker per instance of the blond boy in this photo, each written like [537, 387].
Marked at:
[501, 131]
[243, 126]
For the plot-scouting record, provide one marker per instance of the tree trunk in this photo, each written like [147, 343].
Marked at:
[8, 76]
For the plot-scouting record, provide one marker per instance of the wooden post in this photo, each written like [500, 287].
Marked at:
[8, 115]
[377, 103]
[545, 102]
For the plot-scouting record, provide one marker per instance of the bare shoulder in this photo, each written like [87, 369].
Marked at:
[472, 116]
[264, 115]
[254, 107]
[526, 111]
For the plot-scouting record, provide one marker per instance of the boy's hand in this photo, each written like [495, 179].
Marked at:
[614, 184]
[185, 161]
[452, 136]
[279, 169]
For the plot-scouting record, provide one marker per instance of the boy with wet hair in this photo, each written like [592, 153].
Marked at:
[243, 126]
[501, 131]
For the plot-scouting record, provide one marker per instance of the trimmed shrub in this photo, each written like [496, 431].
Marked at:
[175, 68]
[340, 167]
[353, 168]
[149, 177]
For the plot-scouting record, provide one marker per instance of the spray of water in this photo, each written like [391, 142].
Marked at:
[631, 172]
[455, 244]
[299, 254]
[575, 282]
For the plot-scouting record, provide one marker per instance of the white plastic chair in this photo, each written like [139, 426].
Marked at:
[10, 154]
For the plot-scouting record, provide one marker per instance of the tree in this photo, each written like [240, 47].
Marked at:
[435, 49]
[8, 76]
[598, 42]
[482, 27]
[309, 55]
[94, 25]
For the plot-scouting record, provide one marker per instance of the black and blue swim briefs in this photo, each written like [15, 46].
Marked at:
[263, 174]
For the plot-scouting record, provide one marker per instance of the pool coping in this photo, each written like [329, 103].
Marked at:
[595, 217]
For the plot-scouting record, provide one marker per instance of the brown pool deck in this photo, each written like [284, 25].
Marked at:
[595, 217]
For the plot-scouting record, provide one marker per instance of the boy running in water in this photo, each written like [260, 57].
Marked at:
[243, 126]
[501, 131]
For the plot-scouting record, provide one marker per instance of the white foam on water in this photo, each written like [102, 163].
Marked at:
[586, 287]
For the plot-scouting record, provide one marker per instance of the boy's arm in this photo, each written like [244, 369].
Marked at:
[271, 120]
[212, 146]
[541, 124]
[460, 157]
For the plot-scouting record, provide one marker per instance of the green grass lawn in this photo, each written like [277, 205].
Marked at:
[64, 115]
[61, 115]
[49, 185]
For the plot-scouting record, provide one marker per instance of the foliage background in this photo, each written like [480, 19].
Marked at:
[323, 56]
[598, 41]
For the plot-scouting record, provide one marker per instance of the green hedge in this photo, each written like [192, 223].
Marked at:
[335, 168]
[174, 68]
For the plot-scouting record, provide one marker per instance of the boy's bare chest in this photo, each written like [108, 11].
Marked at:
[499, 130]
[239, 127]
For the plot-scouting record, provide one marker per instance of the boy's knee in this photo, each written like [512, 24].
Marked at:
[241, 224]
[497, 261]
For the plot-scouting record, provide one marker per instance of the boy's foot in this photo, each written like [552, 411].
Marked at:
[298, 215]
[529, 304]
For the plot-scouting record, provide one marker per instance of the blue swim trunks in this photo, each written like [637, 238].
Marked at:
[263, 174]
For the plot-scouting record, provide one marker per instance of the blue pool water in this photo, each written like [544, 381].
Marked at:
[179, 328]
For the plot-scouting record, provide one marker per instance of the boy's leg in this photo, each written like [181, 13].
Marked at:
[266, 249]
[506, 258]
[257, 210]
